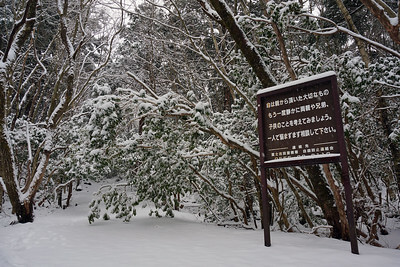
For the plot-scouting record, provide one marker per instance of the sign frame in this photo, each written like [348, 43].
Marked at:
[291, 88]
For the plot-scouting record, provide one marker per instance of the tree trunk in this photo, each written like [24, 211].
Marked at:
[338, 200]
[352, 26]
[69, 194]
[284, 54]
[7, 166]
[228, 178]
[249, 51]
[298, 198]
[20, 33]
[393, 147]
[1, 197]
[281, 42]
[325, 200]
[283, 220]
[59, 198]
[384, 15]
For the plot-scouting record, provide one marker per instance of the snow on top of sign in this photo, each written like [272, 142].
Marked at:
[300, 81]
[304, 158]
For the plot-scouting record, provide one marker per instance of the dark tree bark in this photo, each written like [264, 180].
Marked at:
[18, 37]
[24, 211]
[352, 26]
[383, 13]
[22, 205]
[326, 201]
[22, 29]
[338, 200]
[1, 198]
[248, 49]
[281, 42]
[393, 147]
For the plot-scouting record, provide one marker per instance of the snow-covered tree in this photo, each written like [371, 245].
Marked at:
[173, 116]
[47, 67]
[193, 140]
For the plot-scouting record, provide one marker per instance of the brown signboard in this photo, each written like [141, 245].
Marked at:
[300, 122]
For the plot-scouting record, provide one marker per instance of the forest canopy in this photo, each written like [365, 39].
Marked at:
[157, 100]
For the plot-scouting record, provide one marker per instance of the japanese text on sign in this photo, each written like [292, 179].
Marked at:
[300, 123]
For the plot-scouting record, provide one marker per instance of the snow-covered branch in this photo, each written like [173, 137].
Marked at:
[219, 192]
[229, 140]
[89, 79]
[3, 185]
[63, 11]
[386, 16]
[389, 85]
[21, 31]
[148, 89]
[245, 45]
[336, 28]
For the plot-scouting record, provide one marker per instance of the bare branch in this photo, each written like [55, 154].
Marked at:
[336, 28]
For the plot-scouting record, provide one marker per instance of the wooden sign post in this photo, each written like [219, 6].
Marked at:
[299, 123]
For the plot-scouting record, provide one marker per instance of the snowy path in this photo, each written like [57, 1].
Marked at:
[64, 238]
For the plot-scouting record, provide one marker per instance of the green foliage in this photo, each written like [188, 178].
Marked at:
[195, 135]
[106, 217]
[91, 138]
[116, 200]
[282, 12]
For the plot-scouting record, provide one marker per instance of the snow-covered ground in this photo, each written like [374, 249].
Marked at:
[65, 238]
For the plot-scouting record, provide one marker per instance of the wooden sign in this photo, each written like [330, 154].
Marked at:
[299, 123]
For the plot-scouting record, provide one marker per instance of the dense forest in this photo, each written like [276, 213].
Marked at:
[159, 99]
